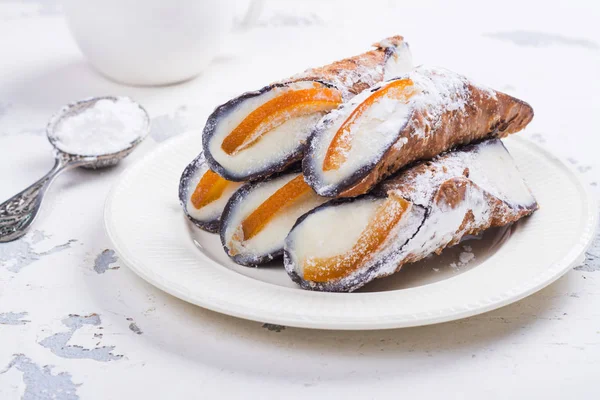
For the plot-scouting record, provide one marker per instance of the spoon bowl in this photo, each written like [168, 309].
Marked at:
[97, 160]
[18, 213]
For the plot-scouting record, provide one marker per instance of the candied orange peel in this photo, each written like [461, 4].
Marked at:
[275, 112]
[373, 236]
[341, 143]
[209, 189]
[283, 197]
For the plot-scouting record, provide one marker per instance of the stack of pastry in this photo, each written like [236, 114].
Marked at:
[354, 169]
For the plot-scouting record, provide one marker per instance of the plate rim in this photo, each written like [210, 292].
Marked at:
[554, 271]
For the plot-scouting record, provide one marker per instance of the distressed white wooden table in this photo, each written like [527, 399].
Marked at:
[75, 323]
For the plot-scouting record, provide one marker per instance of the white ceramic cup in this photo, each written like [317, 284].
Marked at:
[152, 42]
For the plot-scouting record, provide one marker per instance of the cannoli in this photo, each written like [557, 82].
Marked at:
[263, 132]
[259, 216]
[203, 194]
[413, 117]
[346, 243]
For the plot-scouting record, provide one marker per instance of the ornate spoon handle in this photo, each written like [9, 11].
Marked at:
[18, 212]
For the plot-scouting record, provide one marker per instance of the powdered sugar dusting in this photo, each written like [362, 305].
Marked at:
[105, 127]
[464, 258]
[420, 185]
[436, 91]
[487, 164]
[440, 91]
[345, 79]
[445, 224]
[361, 72]
[432, 224]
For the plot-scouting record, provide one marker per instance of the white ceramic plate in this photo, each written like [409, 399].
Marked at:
[151, 235]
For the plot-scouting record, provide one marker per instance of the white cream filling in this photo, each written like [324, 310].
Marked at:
[214, 209]
[273, 146]
[496, 172]
[399, 63]
[272, 236]
[330, 231]
[371, 135]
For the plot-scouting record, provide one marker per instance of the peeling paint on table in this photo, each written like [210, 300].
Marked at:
[592, 257]
[13, 318]
[103, 261]
[41, 383]
[135, 329]
[273, 327]
[58, 342]
[20, 253]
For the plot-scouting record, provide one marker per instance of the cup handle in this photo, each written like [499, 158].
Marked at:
[252, 13]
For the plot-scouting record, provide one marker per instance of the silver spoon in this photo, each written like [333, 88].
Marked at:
[18, 212]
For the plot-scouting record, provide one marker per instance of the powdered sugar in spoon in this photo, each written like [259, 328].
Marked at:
[92, 133]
